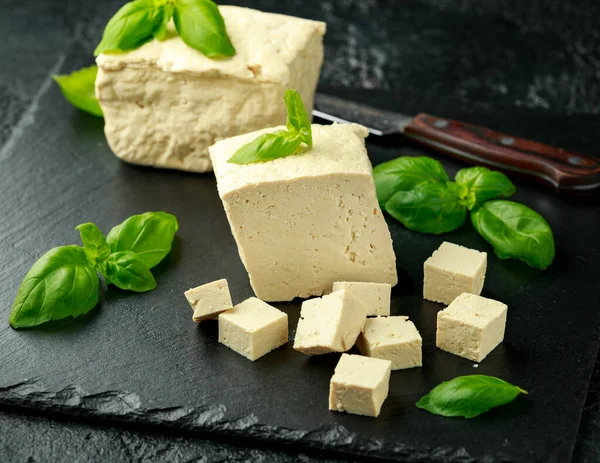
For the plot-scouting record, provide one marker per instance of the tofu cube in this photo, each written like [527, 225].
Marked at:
[392, 338]
[302, 222]
[376, 297]
[165, 103]
[253, 328]
[453, 270]
[209, 300]
[471, 327]
[359, 385]
[329, 324]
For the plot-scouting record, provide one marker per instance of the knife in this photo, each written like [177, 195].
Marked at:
[561, 170]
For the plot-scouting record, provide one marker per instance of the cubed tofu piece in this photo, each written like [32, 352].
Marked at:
[329, 324]
[304, 221]
[453, 270]
[253, 328]
[376, 297]
[471, 327]
[209, 300]
[359, 385]
[392, 338]
[165, 103]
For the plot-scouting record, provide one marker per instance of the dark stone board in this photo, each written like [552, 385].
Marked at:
[138, 360]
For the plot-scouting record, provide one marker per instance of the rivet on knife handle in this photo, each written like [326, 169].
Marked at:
[555, 167]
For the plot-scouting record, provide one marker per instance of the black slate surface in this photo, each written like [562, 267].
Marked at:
[56, 171]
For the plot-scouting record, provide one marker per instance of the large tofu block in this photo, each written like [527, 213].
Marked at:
[209, 300]
[359, 385]
[453, 270]
[165, 103]
[471, 327]
[329, 324]
[392, 338]
[253, 328]
[376, 297]
[303, 222]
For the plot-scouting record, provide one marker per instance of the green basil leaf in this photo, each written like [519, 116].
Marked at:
[469, 396]
[406, 173]
[515, 231]
[266, 147]
[94, 243]
[200, 25]
[127, 271]
[428, 208]
[131, 27]
[79, 89]
[297, 117]
[485, 183]
[60, 284]
[150, 236]
[167, 13]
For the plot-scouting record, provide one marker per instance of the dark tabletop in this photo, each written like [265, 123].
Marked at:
[470, 58]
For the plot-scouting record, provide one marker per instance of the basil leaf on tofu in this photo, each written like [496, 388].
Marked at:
[469, 396]
[126, 270]
[515, 231]
[484, 183]
[406, 173]
[201, 26]
[428, 208]
[60, 284]
[79, 89]
[150, 236]
[298, 121]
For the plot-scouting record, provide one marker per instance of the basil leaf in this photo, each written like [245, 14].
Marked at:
[131, 27]
[126, 270]
[94, 244]
[298, 121]
[406, 173]
[160, 33]
[469, 396]
[79, 89]
[515, 231]
[150, 236]
[200, 25]
[266, 147]
[484, 183]
[428, 208]
[60, 284]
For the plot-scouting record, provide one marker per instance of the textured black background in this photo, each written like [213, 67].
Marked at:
[518, 66]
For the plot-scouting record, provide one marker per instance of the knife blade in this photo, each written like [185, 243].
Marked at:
[558, 169]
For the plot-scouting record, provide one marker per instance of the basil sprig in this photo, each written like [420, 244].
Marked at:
[469, 396]
[64, 282]
[280, 143]
[198, 22]
[78, 89]
[418, 193]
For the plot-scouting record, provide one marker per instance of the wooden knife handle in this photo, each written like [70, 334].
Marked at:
[559, 169]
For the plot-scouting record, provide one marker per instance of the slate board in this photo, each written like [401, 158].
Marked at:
[139, 358]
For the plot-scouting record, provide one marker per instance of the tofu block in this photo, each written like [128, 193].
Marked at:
[453, 270]
[392, 338]
[329, 324]
[165, 103]
[304, 221]
[376, 297]
[209, 300]
[359, 385]
[253, 328]
[471, 327]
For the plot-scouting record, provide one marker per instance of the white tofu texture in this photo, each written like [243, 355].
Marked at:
[453, 270]
[359, 385]
[165, 103]
[376, 297]
[253, 328]
[305, 221]
[209, 300]
[471, 327]
[392, 338]
[329, 324]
